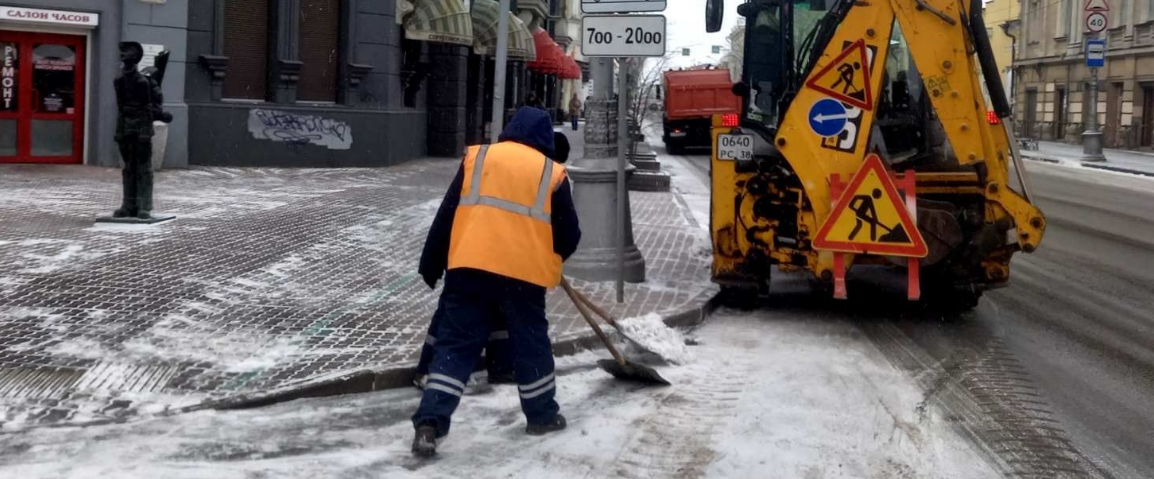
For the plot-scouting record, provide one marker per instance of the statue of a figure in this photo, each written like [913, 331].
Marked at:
[139, 102]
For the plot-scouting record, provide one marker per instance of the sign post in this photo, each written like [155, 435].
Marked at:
[498, 119]
[1095, 51]
[622, 36]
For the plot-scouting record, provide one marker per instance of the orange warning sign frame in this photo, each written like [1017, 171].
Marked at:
[815, 81]
[917, 246]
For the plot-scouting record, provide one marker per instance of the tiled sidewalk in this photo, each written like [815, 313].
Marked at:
[268, 277]
[1124, 161]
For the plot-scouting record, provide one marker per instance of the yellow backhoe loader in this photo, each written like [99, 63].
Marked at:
[826, 83]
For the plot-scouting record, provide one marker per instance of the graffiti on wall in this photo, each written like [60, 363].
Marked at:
[297, 129]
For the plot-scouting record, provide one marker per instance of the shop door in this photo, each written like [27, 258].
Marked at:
[1147, 116]
[41, 98]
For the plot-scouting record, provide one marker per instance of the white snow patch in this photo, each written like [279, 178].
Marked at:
[85, 348]
[800, 399]
[651, 333]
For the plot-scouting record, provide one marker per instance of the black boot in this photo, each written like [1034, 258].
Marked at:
[557, 424]
[501, 378]
[420, 380]
[425, 441]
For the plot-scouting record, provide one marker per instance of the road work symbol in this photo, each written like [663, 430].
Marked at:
[846, 78]
[871, 217]
[863, 208]
[827, 117]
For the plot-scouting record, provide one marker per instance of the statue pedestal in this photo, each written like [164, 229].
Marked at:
[156, 218]
[594, 194]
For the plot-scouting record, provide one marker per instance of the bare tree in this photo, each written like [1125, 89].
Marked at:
[644, 78]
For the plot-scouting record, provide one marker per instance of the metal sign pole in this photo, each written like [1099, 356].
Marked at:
[622, 142]
[1096, 22]
[498, 121]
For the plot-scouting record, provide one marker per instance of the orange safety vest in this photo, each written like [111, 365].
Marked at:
[503, 224]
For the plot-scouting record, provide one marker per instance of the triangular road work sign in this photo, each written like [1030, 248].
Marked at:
[846, 78]
[1097, 6]
[871, 217]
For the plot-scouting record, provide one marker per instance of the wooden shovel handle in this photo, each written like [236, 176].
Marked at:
[575, 297]
[597, 309]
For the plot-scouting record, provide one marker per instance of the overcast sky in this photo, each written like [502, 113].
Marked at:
[685, 28]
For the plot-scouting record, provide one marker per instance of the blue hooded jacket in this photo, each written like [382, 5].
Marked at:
[530, 127]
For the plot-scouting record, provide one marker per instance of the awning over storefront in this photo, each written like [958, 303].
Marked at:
[485, 15]
[521, 46]
[443, 21]
[572, 70]
[550, 57]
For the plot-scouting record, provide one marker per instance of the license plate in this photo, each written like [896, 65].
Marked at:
[735, 147]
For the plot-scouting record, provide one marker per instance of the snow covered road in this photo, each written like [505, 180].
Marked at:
[767, 395]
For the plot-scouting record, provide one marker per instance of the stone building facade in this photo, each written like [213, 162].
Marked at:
[286, 83]
[1001, 26]
[1050, 76]
[59, 60]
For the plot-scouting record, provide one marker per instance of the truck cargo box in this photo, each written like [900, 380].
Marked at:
[691, 94]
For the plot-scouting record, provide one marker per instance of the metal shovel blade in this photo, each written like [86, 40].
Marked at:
[631, 371]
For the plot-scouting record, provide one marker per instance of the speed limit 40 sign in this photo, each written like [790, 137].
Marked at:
[1096, 21]
[623, 35]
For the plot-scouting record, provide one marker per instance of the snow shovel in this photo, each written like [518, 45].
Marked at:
[619, 367]
[641, 343]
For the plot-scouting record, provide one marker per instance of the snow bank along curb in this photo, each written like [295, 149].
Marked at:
[368, 380]
[1086, 164]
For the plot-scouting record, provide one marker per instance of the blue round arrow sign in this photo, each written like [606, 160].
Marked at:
[827, 117]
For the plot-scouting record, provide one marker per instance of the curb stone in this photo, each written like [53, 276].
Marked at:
[1041, 159]
[1099, 166]
[369, 380]
[1090, 164]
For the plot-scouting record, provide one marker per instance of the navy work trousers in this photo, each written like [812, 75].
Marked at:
[463, 331]
[497, 358]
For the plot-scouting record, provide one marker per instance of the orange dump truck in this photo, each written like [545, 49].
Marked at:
[692, 97]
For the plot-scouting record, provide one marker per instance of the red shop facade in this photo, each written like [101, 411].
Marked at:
[43, 81]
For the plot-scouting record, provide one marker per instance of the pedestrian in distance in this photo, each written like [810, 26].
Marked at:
[574, 110]
[533, 102]
[499, 238]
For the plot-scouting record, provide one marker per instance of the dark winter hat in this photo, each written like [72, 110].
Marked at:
[531, 127]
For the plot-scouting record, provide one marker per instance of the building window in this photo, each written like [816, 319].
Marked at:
[319, 27]
[246, 46]
[1064, 18]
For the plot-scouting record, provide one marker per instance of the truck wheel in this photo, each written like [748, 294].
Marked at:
[951, 298]
[743, 298]
[674, 148]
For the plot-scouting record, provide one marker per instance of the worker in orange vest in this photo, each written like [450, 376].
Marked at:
[496, 358]
[500, 236]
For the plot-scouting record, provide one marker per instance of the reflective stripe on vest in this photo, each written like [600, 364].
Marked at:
[537, 211]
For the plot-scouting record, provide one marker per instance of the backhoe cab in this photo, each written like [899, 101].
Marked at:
[824, 83]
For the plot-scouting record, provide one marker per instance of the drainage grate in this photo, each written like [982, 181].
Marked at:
[122, 377]
[37, 382]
